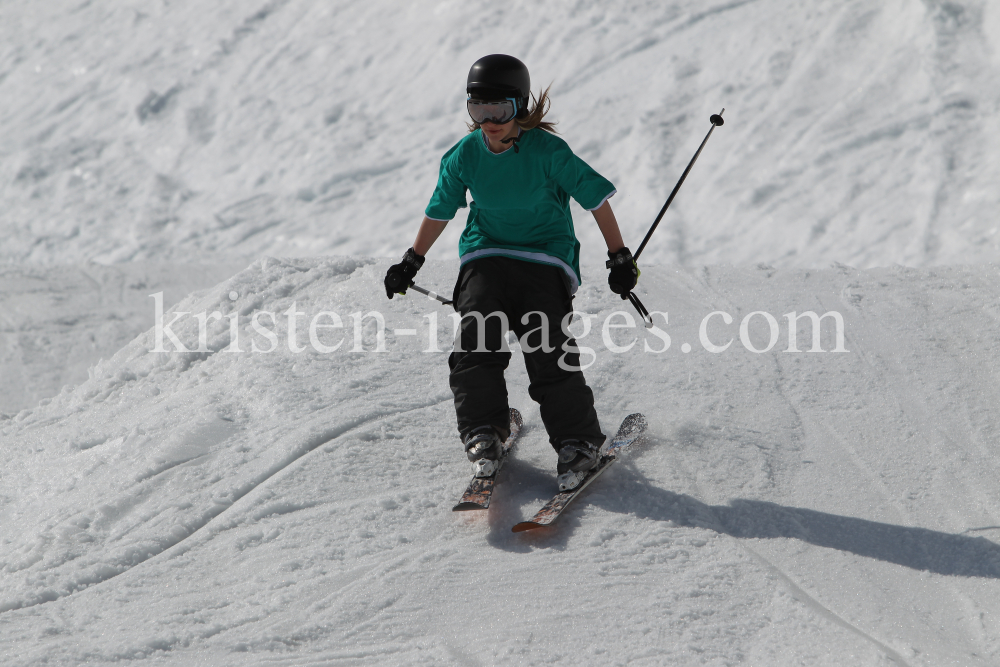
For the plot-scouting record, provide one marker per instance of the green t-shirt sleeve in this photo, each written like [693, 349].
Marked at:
[449, 195]
[579, 179]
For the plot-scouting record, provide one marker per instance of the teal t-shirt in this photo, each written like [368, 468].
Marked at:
[520, 204]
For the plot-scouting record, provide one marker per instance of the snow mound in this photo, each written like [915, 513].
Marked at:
[237, 507]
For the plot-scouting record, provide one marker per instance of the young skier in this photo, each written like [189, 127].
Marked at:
[520, 266]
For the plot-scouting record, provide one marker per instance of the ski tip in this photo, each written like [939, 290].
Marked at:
[525, 525]
[515, 418]
[465, 507]
[635, 422]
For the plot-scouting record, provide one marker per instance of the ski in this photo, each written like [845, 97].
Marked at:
[477, 495]
[629, 432]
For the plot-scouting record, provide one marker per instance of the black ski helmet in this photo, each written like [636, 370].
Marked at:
[500, 75]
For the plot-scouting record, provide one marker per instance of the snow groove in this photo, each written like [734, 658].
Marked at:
[311, 445]
[171, 547]
[819, 608]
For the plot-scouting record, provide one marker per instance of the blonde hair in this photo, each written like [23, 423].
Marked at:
[533, 119]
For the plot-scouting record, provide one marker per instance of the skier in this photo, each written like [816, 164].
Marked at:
[520, 266]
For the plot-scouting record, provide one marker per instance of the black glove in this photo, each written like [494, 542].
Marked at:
[400, 276]
[624, 272]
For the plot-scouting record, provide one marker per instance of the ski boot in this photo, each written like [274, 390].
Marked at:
[484, 449]
[576, 459]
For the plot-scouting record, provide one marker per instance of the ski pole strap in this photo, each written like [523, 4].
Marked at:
[716, 119]
[412, 258]
[431, 295]
[623, 256]
[641, 309]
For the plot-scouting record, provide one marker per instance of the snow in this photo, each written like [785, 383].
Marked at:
[57, 321]
[229, 505]
[858, 132]
[222, 507]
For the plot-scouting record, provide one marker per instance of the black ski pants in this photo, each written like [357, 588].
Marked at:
[517, 289]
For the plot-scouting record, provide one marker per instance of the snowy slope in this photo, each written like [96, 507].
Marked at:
[58, 321]
[860, 132]
[224, 508]
[294, 508]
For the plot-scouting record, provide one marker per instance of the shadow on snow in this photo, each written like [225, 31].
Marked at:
[915, 548]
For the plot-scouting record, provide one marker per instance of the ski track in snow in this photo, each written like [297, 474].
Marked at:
[826, 612]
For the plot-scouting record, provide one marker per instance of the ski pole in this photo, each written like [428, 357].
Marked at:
[715, 119]
[431, 295]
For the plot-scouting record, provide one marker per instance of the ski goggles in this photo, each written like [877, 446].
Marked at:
[499, 112]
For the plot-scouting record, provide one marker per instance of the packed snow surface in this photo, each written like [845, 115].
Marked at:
[231, 505]
[856, 131]
[242, 507]
[57, 321]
